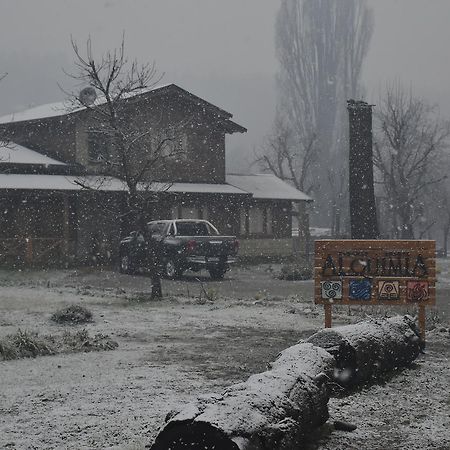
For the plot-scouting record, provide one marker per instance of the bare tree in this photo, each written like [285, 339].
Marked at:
[287, 157]
[410, 138]
[321, 45]
[435, 221]
[444, 210]
[3, 140]
[130, 150]
[338, 178]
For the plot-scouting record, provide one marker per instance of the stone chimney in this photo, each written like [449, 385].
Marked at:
[363, 215]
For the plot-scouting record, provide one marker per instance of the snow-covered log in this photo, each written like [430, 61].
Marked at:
[366, 350]
[275, 409]
[271, 410]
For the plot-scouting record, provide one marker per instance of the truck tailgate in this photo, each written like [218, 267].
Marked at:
[214, 246]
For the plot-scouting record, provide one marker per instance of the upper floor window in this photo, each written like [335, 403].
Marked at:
[170, 144]
[99, 146]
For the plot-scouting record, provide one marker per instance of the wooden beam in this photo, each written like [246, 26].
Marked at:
[328, 315]
[66, 228]
[422, 321]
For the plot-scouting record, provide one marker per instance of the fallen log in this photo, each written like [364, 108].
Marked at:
[271, 410]
[277, 408]
[367, 350]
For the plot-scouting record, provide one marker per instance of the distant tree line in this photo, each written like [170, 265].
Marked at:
[321, 46]
[410, 161]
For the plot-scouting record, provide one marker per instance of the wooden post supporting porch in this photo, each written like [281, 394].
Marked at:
[66, 229]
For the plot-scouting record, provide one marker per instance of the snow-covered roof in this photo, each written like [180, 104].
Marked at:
[58, 182]
[39, 112]
[12, 153]
[200, 188]
[263, 186]
[267, 186]
[75, 183]
[63, 108]
[67, 107]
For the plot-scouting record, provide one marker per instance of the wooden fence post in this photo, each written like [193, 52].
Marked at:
[327, 315]
[66, 230]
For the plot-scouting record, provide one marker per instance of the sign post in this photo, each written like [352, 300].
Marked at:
[375, 272]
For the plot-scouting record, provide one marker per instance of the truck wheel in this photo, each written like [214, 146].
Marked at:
[171, 270]
[217, 273]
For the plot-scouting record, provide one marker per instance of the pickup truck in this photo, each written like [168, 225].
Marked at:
[183, 244]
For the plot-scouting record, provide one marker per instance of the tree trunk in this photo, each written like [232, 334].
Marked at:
[155, 263]
[366, 350]
[156, 286]
[406, 219]
[275, 409]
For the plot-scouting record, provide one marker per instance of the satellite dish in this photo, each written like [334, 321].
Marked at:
[87, 96]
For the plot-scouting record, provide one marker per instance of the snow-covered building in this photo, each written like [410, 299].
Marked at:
[47, 211]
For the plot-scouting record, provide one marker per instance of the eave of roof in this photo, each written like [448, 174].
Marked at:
[233, 127]
[197, 188]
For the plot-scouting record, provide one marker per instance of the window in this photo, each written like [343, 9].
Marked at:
[190, 212]
[170, 143]
[193, 229]
[256, 220]
[99, 146]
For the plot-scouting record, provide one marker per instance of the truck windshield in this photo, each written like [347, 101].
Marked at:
[194, 229]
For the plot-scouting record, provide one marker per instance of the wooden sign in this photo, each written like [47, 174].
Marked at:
[374, 272]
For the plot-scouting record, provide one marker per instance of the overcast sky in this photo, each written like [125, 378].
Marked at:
[221, 50]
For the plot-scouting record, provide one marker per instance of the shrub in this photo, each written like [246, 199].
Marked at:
[73, 314]
[211, 294]
[24, 344]
[295, 272]
[259, 296]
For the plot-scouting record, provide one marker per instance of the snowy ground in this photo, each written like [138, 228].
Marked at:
[172, 350]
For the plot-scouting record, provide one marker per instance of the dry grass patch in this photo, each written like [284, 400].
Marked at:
[26, 344]
[23, 344]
